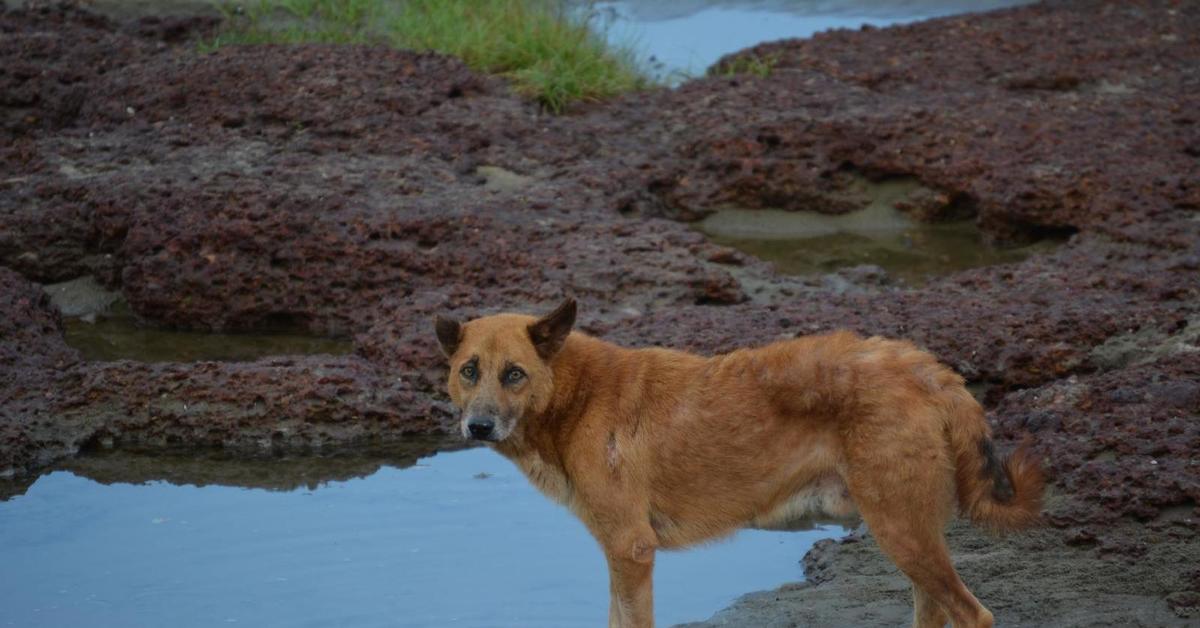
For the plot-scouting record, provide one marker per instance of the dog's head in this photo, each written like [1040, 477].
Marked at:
[500, 368]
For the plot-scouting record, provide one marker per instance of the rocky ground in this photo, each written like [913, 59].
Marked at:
[357, 191]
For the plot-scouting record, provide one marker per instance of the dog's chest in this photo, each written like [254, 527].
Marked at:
[548, 478]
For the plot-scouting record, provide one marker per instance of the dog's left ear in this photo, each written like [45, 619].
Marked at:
[449, 334]
[550, 331]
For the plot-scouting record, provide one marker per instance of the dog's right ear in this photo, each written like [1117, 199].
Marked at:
[449, 334]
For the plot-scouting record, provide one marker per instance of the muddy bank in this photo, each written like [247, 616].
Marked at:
[355, 192]
[1027, 580]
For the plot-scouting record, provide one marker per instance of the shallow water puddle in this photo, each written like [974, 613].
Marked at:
[121, 338]
[685, 38]
[804, 242]
[100, 324]
[457, 539]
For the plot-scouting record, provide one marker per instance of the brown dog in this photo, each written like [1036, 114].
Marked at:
[654, 448]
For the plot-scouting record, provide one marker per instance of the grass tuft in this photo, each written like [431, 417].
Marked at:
[751, 64]
[551, 54]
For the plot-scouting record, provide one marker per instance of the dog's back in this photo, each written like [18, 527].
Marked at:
[758, 436]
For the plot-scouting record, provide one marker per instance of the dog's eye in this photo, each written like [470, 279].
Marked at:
[468, 371]
[513, 375]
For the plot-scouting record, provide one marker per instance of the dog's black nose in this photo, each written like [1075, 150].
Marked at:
[481, 428]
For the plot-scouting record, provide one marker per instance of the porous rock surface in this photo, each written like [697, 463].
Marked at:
[358, 191]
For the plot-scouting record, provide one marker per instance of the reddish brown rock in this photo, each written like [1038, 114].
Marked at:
[1121, 445]
[306, 185]
[54, 404]
[31, 352]
[1043, 119]
[1012, 326]
[340, 189]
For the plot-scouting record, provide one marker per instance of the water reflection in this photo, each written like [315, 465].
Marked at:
[458, 538]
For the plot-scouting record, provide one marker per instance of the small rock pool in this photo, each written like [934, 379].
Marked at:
[122, 338]
[452, 539]
[879, 235]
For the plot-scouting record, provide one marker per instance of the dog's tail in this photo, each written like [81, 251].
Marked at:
[1002, 494]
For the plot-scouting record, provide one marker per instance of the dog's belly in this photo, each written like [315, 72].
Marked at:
[825, 497]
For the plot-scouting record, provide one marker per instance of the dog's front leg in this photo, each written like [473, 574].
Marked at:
[631, 577]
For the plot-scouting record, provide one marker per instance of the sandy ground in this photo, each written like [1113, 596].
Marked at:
[1030, 579]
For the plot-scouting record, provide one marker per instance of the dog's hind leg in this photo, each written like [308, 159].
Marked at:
[920, 552]
[926, 561]
[927, 613]
[904, 489]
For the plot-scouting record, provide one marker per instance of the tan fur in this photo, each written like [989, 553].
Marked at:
[659, 449]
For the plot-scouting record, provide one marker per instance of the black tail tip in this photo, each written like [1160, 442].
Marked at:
[993, 469]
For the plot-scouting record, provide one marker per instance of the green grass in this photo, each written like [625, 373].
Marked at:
[551, 55]
[753, 65]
